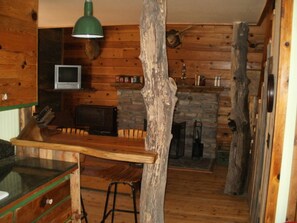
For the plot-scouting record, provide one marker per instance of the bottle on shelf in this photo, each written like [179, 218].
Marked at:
[215, 81]
[197, 80]
[183, 72]
[219, 81]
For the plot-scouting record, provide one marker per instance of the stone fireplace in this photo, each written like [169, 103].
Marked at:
[190, 106]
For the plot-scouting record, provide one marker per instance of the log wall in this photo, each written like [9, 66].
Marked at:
[205, 49]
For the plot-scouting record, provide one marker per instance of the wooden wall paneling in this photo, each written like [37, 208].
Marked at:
[99, 97]
[205, 50]
[280, 111]
[18, 64]
[107, 71]
[185, 55]
[121, 62]
[69, 104]
[119, 55]
[203, 28]
[13, 11]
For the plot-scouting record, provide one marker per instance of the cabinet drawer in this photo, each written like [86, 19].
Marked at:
[6, 218]
[59, 214]
[45, 202]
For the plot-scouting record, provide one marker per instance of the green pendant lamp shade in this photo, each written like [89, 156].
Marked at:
[88, 26]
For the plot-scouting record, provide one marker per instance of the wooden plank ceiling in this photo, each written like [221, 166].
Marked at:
[64, 13]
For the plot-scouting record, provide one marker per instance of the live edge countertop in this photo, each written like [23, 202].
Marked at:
[21, 176]
[106, 147]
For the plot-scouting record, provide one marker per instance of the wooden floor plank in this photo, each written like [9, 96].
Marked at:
[191, 197]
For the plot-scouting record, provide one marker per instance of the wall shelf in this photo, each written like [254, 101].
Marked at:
[128, 86]
[70, 90]
[203, 89]
[180, 87]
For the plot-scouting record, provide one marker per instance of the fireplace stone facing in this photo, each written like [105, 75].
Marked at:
[190, 106]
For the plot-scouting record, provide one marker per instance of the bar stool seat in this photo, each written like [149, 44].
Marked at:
[121, 174]
[128, 174]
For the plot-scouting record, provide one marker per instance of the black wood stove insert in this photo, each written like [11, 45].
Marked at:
[99, 120]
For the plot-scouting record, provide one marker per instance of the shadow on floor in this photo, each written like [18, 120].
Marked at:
[201, 164]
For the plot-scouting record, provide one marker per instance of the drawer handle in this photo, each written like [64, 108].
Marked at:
[49, 201]
[46, 201]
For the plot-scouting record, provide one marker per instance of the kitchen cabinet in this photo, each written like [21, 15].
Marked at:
[39, 190]
[7, 218]
[18, 53]
[54, 202]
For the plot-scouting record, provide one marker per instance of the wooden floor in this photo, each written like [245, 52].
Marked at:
[191, 197]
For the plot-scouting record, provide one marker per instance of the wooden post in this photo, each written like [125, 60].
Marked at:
[159, 97]
[239, 116]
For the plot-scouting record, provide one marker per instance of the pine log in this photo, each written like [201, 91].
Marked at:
[239, 116]
[159, 97]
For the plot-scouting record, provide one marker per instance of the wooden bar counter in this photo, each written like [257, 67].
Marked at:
[106, 147]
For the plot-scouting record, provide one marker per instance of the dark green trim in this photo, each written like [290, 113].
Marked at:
[4, 108]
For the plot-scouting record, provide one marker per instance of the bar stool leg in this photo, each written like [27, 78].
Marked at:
[134, 201]
[106, 203]
[114, 201]
[84, 213]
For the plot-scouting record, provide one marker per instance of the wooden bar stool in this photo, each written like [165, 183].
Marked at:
[121, 174]
[129, 174]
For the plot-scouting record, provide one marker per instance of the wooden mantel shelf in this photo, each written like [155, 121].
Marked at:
[127, 86]
[180, 87]
[203, 89]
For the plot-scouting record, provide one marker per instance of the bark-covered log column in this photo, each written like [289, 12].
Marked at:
[159, 97]
[239, 116]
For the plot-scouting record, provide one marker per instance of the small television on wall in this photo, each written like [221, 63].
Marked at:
[67, 76]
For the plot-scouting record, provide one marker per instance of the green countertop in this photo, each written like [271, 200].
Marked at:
[20, 176]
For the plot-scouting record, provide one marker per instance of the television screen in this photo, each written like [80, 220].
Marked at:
[67, 76]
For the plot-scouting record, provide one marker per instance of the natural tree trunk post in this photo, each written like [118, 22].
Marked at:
[159, 97]
[239, 116]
